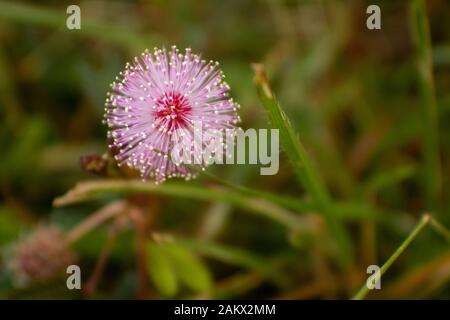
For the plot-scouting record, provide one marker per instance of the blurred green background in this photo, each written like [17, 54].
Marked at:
[374, 121]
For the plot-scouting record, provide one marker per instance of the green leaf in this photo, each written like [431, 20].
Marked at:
[189, 268]
[234, 256]
[228, 254]
[389, 177]
[263, 203]
[302, 166]
[291, 203]
[90, 189]
[161, 270]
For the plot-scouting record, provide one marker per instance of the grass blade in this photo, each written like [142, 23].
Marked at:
[290, 203]
[233, 256]
[432, 167]
[302, 165]
[91, 189]
[416, 231]
[265, 266]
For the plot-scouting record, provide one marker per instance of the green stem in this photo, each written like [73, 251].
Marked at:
[342, 210]
[440, 228]
[290, 203]
[303, 167]
[419, 227]
[86, 190]
[430, 133]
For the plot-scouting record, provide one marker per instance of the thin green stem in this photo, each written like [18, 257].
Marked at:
[233, 256]
[87, 190]
[290, 203]
[303, 167]
[95, 219]
[430, 133]
[342, 210]
[440, 228]
[414, 233]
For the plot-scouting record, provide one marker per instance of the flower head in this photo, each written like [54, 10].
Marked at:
[40, 256]
[160, 99]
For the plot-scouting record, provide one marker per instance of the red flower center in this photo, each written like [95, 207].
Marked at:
[174, 109]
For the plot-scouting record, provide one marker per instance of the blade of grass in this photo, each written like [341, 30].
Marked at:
[430, 133]
[343, 210]
[440, 229]
[302, 165]
[24, 13]
[386, 178]
[91, 189]
[234, 256]
[285, 201]
[414, 233]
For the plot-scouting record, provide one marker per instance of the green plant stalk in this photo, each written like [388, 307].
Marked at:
[285, 201]
[51, 18]
[90, 189]
[414, 233]
[432, 167]
[234, 256]
[440, 229]
[387, 178]
[343, 210]
[302, 165]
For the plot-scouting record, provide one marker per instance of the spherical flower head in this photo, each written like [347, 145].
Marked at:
[41, 256]
[158, 101]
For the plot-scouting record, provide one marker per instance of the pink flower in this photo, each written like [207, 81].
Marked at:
[159, 96]
[41, 256]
